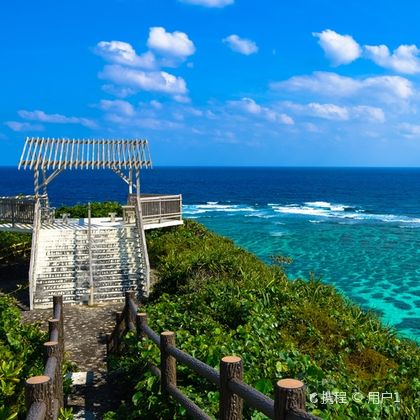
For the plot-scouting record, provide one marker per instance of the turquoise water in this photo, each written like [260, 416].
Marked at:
[372, 261]
[356, 228]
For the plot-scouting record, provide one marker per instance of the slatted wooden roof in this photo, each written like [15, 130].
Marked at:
[62, 153]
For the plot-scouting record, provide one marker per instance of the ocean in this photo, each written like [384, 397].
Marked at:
[355, 228]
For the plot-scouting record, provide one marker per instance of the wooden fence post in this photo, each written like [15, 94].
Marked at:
[130, 296]
[58, 309]
[141, 321]
[37, 389]
[289, 395]
[167, 362]
[54, 330]
[52, 349]
[230, 405]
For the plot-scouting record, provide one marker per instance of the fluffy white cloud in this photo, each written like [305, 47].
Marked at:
[336, 112]
[23, 126]
[175, 44]
[332, 84]
[329, 111]
[155, 81]
[209, 3]
[340, 49]
[369, 113]
[404, 59]
[41, 116]
[249, 106]
[241, 45]
[117, 106]
[123, 53]
[409, 130]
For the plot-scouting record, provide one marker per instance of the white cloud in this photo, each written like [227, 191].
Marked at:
[409, 130]
[118, 91]
[241, 45]
[340, 49]
[175, 44]
[156, 81]
[404, 59]
[249, 106]
[336, 112]
[41, 116]
[209, 3]
[332, 84]
[369, 113]
[123, 53]
[117, 106]
[23, 126]
[155, 104]
[329, 111]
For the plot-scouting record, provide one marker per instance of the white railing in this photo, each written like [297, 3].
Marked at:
[161, 208]
[142, 236]
[34, 248]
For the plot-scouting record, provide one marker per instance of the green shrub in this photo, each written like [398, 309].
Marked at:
[99, 209]
[21, 351]
[221, 300]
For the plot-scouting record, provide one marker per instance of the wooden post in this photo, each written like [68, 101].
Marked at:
[230, 405]
[52, 349]
[129, 297]
[141, 321]
[37, 389]
[54, 330]
[58, 311]
[167, 362]
[289, 395]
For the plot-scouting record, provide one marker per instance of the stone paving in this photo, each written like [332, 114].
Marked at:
[84, 332]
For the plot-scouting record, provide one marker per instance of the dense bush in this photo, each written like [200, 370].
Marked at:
[222, 300]
[21, 350]
[98, 209]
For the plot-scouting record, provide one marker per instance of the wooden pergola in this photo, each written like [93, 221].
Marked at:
[58, 154]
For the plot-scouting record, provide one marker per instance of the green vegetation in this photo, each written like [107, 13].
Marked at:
[98, 209]
[21, 356]
[221, 300]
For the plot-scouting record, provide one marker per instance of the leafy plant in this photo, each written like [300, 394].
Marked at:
[222, 300]
[21, 350]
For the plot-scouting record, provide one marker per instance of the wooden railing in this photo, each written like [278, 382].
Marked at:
[44, 393]
[289, 400]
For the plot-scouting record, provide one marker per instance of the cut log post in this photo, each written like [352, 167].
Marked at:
[52, 349]
[289, 396]
[230, 405]
[37, 389]
[130, 315]
[58, 309]
[141, 321]
[167, 362]
[54, 330]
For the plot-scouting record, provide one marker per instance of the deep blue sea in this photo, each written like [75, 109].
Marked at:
[358, 229]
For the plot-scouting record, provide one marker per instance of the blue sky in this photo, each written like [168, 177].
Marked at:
[217, 82]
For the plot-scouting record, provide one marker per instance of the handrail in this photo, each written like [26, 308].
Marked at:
[44, 393]
[289, 401]
[142, 236]
[34, 248]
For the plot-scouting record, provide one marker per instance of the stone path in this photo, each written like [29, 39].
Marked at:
[84, 333]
